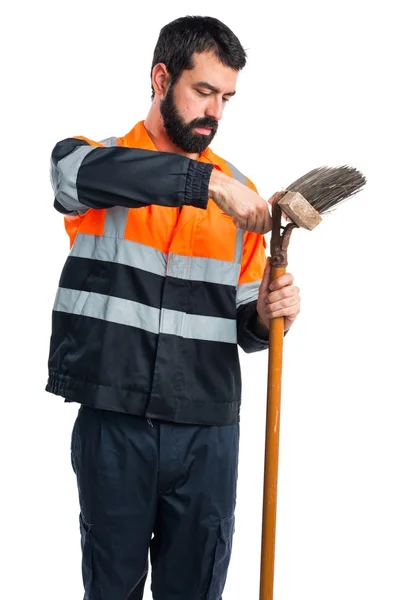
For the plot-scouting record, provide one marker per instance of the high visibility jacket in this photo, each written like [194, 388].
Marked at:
[159, 288]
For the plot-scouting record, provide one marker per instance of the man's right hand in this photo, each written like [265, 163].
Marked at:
[248, 210]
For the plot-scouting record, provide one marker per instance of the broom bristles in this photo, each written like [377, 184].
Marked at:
[326, 187]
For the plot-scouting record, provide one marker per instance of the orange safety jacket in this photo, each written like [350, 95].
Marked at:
[159, 288]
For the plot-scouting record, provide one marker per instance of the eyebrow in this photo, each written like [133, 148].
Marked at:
[212, 88]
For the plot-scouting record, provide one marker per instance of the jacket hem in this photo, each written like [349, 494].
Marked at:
[133, 402]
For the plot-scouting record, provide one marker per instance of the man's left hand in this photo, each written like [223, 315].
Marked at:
[279, 298]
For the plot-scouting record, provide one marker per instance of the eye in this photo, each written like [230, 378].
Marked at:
[225, 99]
[202, 94]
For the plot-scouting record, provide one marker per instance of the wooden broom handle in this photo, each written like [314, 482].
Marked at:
[276, 331]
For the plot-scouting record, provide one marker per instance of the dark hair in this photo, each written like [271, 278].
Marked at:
[181, 39]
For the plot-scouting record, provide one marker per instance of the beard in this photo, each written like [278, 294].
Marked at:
[181, 133]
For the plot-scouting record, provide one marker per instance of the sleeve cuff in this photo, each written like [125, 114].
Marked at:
[255, 329]
[197, 182]
[248, 339]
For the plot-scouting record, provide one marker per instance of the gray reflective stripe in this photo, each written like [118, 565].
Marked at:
[115, 222]
[116, 216]
[240, 233]
[198, 327]
[236, 173]
[209, 270]
[108, 308]
[140, 256]
[134, 314]
[247, 292]
[239, 247]
[123, 252]
[109, 142]
[67, 172]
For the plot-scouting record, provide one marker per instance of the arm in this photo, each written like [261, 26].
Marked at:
[87, 175]
[257, 302]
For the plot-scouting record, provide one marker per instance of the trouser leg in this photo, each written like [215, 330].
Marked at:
[192, 542]
[115, 458]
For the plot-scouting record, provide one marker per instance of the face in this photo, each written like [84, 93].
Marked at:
[192, 108]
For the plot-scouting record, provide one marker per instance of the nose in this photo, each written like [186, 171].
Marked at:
[215, 108]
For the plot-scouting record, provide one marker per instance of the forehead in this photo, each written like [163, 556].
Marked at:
[207, 67]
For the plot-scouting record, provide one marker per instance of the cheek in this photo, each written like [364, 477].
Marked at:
[190, 111]
[189, 106]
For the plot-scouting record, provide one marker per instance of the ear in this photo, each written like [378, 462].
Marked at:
[160, 79]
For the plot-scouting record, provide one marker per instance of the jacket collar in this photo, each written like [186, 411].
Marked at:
[138, 137]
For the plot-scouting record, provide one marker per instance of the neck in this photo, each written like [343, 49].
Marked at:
[155, 128]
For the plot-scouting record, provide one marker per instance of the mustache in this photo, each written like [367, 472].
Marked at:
[207, 122]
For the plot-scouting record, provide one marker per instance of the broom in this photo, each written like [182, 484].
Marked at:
[304, 201]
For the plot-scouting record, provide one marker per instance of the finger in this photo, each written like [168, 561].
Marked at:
[260, 223]
[289, 312]
[282, 304]
[257, 220]
[251, 223]
[267, 221]
[241, 223]
[282, 281]
[285, 292]
[263, 218]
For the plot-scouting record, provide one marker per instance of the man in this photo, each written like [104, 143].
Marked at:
[167, 275]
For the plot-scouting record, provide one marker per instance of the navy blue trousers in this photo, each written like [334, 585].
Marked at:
[152, 488]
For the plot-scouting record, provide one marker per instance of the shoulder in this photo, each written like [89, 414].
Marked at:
[107, 142]
[110, 141]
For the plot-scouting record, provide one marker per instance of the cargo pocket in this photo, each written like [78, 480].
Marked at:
[87, 556]
[221, 558]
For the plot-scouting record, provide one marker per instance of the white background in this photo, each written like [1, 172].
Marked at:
[320, 87]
